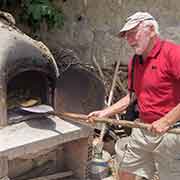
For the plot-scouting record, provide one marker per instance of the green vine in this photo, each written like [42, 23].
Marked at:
[34, 12]
[37, 11]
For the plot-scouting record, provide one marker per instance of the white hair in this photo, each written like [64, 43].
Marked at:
[154, 23]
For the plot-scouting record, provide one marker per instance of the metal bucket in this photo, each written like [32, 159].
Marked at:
[100, 167]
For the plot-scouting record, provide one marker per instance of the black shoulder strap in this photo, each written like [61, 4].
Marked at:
[132, 75]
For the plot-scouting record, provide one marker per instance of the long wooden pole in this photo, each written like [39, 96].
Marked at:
[125, 123]
[103, 130]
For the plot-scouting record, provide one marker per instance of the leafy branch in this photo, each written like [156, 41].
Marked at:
[34, 12]
[37, 11]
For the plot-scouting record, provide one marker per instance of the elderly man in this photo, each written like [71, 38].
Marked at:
[156, 84]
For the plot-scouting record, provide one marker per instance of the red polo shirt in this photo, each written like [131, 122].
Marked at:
[157, 81]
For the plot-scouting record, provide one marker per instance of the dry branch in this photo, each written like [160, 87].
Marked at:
[103, 130]
[98, 67]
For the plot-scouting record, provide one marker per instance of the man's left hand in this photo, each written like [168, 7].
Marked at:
[160, 126]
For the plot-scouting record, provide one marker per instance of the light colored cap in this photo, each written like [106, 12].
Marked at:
[133, 20]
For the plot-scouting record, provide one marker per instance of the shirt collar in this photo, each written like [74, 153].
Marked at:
[156, 49]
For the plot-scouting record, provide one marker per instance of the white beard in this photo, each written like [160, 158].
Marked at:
[142, 44]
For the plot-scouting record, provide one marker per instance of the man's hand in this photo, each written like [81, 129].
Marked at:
[160, 126]
[100, 114]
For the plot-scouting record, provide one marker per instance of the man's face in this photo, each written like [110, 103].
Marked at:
[139, 38]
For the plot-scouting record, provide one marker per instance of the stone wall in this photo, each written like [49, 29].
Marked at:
[89, 26]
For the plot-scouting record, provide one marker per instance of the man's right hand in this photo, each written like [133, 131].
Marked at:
[100, 114]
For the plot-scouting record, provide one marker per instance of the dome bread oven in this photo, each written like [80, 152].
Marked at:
[30, 75]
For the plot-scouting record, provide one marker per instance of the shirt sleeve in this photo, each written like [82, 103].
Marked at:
[174, 61]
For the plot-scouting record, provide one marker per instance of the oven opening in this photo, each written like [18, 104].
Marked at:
[27, 89]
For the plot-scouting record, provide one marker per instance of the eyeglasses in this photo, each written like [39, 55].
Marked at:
[131, 33]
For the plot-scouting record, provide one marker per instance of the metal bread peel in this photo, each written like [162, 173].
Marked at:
[42, 108]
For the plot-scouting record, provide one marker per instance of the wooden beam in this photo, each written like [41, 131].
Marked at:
[54, 176]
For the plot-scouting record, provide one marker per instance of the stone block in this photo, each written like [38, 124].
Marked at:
[3, 167]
